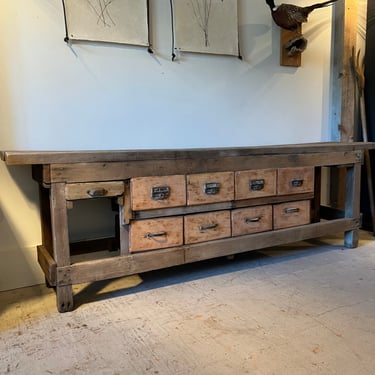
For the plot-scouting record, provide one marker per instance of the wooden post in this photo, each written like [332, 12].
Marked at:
[60, 240]
[343, 85]
[352, 199]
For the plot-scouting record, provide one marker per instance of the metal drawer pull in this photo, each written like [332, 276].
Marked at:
[206, 227]
[291, 210]
[252, 220]
[97, 193]
[211, 188]
[159, 193]
[157, 234]
[297, 182]
[256, 185]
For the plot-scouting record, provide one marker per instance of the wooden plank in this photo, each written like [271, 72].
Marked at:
[343, 87]
[258, 241]
[87, 172]
[66, 157]
[47, 264]
[94, 190]
[285, 37]
[352, 202]
[60, 240]
[45, 218]
[220, 206]
[109, 268]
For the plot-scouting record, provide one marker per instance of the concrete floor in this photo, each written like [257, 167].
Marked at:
[308, 308]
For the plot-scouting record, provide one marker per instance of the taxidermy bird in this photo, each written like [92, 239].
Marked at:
[289, 16]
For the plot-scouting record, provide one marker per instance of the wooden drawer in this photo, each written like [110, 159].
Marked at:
[206, 188]
[94, 190]
[251, 220]
[295, 180]
[207, 226]
[149, 193]
[255, 183]
[155, 234]
[291, 214]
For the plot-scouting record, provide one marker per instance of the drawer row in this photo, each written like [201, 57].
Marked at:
[157, 192]
[161, 233]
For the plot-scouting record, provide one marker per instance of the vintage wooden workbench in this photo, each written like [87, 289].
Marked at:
[181, 206]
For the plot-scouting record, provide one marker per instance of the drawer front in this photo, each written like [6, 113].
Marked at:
[291, 214]
[94, 190]
[149, 193]
[207, 226]
[255, 183]
[295, 180]
[251, 220]
[206, 188]
[155, 234]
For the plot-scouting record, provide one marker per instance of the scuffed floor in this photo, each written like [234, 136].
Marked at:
[308, 308]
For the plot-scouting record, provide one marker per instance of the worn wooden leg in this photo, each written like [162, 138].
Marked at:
[60, 240]
[64, 298]
[352, 200]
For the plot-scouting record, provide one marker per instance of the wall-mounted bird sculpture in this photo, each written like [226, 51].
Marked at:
[290, 17]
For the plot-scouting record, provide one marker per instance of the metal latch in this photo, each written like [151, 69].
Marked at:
[297, 182]
[160, 193]
[256, 185]
[211, 188]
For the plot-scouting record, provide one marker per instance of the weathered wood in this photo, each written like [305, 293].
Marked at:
[88, 172]
[60, 240]
[251, 220]
[47, 264]
[94, 190]
[45, 218]
[352, 199]
[72, 157]
[343, 86]
[207, 226]
[291, 214]
[156, 234]
[258, 241]
[109, 268]
[255, 183]
[221, 206]
[295, 180]
[198, 227]
[144, 190]
[200, 189]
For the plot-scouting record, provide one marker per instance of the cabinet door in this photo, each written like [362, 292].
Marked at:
[206, 188]
[155, 234]
[206, 227]
[291, 214]
[251, 220]
[295, 180]
[255, 183]
[155, 192]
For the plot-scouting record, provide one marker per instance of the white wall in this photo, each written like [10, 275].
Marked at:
[97, 96]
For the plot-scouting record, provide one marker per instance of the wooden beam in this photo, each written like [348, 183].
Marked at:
[343, 86]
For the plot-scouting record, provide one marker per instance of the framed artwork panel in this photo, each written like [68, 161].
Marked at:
[206, 26]
[114, 21]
